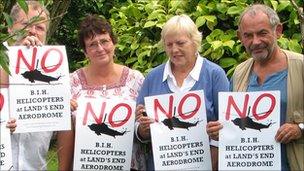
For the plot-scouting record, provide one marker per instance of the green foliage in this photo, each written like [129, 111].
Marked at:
[138, 24]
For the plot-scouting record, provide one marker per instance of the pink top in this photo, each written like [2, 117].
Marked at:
[127, 88]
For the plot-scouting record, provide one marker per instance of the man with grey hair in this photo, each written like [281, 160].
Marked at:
[30, 149]
[272, 68]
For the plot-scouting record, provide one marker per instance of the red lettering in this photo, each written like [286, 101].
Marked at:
[267, 113]
[89, 110]
[123, 121]
[157, 106]
[53, 68]
[1, 101]
[192, 113]
[20, 57]
[232, 103]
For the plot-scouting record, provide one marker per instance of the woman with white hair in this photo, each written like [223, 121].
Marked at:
[185, 71]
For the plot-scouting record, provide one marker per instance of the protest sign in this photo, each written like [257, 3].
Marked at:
[39, 88]
[179, 139]
[250, 122]
[104, 133]
[5, 141]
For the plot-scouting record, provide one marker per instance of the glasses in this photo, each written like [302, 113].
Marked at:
[101, 42]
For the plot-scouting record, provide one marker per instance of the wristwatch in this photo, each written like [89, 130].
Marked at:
[301, 126]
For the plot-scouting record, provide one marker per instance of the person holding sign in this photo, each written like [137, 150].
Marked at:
[102, 75]
[30, 149]
[272, 68]
[185, 71]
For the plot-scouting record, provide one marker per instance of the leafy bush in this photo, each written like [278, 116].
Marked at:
[138, 25]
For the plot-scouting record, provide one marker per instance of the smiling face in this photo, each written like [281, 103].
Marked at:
[180, 49]
[100, 49]
[258, 37]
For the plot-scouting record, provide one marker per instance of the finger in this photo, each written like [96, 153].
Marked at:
[32, 40]
[286, 138]
[214, 129]
[213, 123]
[26, 43]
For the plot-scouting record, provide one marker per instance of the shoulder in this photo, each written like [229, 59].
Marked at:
[135, 73]
[211, 66]
[246, 65]
[75, 74]
[157, 71]
[293, 55]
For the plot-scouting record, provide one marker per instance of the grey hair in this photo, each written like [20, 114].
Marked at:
[274, 19]
[31, 4]
[182, 23]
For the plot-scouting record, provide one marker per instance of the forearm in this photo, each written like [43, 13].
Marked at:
[65, 148]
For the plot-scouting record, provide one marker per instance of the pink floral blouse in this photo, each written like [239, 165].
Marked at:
[127, 88]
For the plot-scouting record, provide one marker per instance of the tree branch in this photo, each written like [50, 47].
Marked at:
[301, 18]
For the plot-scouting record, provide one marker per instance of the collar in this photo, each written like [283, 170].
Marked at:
[194, 73]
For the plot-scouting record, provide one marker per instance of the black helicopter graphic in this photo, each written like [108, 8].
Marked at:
[38, 76]
[247, 122]
[174, 122]
[103, 128]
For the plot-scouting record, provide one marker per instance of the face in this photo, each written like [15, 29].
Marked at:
[38, 29]
[100, 49]
[180, 49]
[258, 37]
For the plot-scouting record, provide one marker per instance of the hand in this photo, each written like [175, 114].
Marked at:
[29, 41]
[288, 132]
[139, 111]
[11, 124]
[73, 104]
[213, 128]
[144, 122]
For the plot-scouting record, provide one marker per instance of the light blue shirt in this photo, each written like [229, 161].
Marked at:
[276, 81]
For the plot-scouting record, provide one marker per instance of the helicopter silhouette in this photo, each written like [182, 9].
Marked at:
[36, 75]
[247, 122]
[103, 128]
[174, 122]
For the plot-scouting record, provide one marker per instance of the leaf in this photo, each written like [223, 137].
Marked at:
[134, 45]
[4, 62]
[216, 44]
[200, 21]
[293, 45]
[150, 24]
[23, 5]
[8, 19]
[229, 43]
[210, 18]
[230, 71]
[234, 10]
[227, 62]
[283, 5]
[274, 4]
[131, 60]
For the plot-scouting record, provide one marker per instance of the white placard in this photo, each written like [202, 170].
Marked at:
[104, 133]
[250, 122]
[179, 139]
[39, 88]
[5, 141]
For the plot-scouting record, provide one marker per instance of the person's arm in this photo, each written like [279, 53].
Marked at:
[142, 125]
[214, 157]
[65, 149]
[3, 79]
